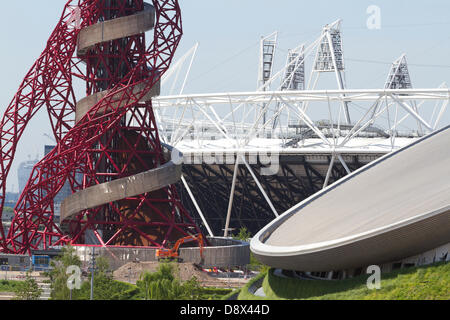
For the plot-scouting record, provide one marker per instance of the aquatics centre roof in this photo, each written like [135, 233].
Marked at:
[395, 207]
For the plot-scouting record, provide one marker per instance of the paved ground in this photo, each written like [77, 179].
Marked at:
[46, 290]
[6, 296]
[19, 276]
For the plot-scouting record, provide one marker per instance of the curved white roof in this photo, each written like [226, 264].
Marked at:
[395, 207]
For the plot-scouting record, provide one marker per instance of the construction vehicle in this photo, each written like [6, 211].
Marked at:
[174, 253]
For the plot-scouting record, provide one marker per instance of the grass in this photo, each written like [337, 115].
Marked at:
[214, 293]
[245, 294]
[418, 283]
[231, 294]
[9, 285]
[117, 290]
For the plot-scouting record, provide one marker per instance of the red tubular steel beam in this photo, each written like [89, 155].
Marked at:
[105, 144]
[47, 83]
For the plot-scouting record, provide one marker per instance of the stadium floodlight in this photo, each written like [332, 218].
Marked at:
[266, 60]
[294, 77]
[399, 77]
[330, 58]
[267, 57]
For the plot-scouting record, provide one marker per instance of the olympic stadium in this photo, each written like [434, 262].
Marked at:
[327, 180]
[258, 163]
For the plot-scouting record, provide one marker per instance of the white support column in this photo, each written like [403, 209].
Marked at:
[330, 168]
[344, 164]
[230, 204]
[260, 187]
[194, 201]
[441, 113]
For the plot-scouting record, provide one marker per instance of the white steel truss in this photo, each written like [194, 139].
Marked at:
[296, 118]
[209, 124]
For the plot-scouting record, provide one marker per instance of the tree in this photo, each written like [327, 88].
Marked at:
[58, 273]
[192, 289]
[28, 290]
[163, 285]
[102, 267]
[243, 235]
[150, 284]
[103, 281]
[105, 287]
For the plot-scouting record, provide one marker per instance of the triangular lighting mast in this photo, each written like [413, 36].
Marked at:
[330, 58]
[399, 77]
[268, 47]
[294, 75]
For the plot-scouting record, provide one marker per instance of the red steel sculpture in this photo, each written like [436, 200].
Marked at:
[108, 148]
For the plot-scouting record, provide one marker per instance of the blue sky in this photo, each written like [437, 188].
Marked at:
[226, 28]
[228, 33]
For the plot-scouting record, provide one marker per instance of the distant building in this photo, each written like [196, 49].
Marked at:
[24, 173]
[48, 149]
[7, 217]
[8, 214]
[11, 199]
[63, 193]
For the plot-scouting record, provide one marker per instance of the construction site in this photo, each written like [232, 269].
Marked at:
[326, 182]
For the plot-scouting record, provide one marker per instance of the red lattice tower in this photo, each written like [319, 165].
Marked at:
[122, 181]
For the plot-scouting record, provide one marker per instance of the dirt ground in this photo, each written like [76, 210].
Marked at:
[184, 271]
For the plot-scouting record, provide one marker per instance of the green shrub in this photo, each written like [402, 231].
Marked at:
[28, 290]
[245, 294]
[9, 285]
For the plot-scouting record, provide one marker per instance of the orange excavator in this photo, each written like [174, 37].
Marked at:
[174, 253]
